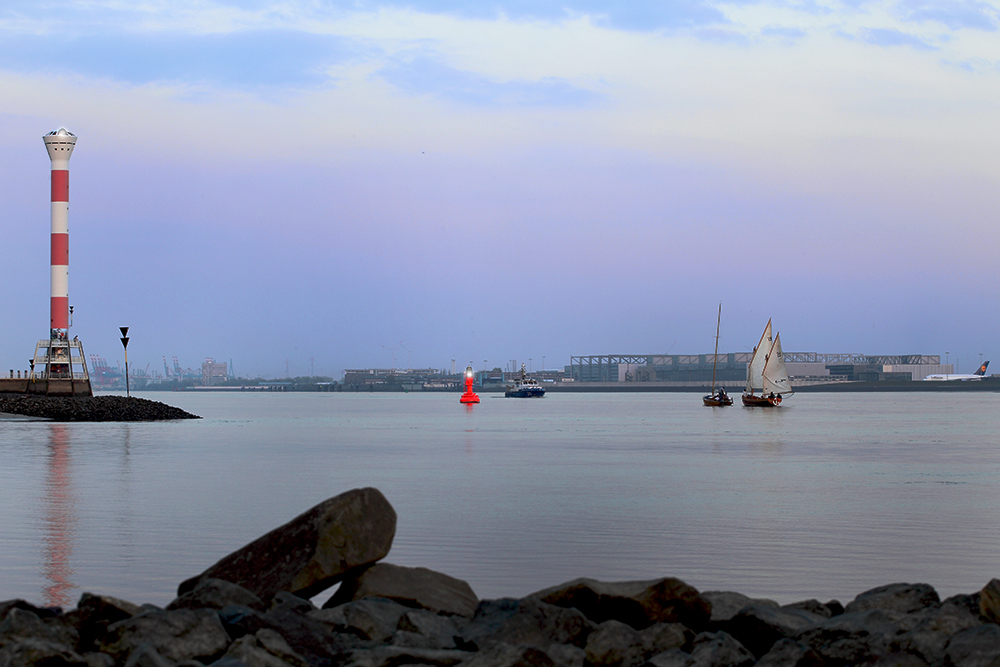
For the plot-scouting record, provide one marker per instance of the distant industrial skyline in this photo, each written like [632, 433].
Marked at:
[310, 185]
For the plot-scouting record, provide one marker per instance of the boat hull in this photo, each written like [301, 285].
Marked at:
[714, 401]
[753, 400]
[525, 393]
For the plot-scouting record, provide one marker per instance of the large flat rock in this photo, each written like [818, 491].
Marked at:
[410, 586]
[313, 551]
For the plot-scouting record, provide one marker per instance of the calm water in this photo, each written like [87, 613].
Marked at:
[825, 497]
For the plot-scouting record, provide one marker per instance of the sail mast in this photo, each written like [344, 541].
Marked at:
[716, 358]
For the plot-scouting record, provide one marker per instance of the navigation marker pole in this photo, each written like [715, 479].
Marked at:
[124, 331]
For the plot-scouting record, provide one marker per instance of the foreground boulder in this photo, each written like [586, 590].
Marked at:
[530, 622]
[637, 603]
[759, 626]
[379, 632]
[989, 601]
[904, 598]
[183, 634]
[415, 587]
[313, 551]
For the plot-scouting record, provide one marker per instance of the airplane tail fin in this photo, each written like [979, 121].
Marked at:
[982, 369]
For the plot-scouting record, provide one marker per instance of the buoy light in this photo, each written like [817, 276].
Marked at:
[469, 396]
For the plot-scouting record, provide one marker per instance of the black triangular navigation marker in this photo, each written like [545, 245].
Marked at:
[125, 343]
[124, 331]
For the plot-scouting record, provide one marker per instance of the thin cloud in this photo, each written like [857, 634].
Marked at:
[242, 60]
[891, 37]
[782, 31]
[631, 16]
[720, 36]
[955, 14]
[426, 76]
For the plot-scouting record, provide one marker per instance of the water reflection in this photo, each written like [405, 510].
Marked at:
[126, 531]
[59, 519]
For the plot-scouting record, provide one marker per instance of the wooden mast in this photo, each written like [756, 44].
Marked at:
[715, 359]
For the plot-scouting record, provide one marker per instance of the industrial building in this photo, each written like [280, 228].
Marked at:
[213, 373]
[731, 368]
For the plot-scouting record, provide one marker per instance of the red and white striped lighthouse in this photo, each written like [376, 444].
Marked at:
[60, 145]
[59, 367]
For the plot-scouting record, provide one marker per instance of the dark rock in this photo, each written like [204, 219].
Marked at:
[314, 640]
[719, 649]
[248, 651]
[989, 601]
[672, 658]
[790, 653]
[857, 637]
[40, 612]
[177, 635]
[969, 602]
[933, 631]
[665, 636]
[369, 618]
[812, 606]
[225, 661]
[758, 627]
[391, 656]
[566, 655]
[975, 647]
[291, 602]
[313, 551]
[836, 609]
[726, 604]
[95, 613]
[637, 603]
[433, 630]
[410, 586]
[145, 655]
[897, 660]
[272, 642]
[95, 659]
[239, 620]
[216, 594]
[21, 624]
[525, 621]
[90, 408]
[903, 598]
[510, 655]
[616, 643]
[34, 651]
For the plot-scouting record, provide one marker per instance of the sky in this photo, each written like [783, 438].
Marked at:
[305, 186]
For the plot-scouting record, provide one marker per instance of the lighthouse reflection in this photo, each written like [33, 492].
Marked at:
[59, 519]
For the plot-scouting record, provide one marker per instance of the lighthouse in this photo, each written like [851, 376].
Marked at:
[59, 367]
[60, 144]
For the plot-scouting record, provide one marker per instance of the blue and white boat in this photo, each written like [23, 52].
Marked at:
[524, 387]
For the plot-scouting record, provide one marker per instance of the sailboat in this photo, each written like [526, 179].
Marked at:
[767, 378]
[722, 398]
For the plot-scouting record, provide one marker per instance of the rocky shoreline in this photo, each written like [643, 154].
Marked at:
[252, 609]
[90, 408]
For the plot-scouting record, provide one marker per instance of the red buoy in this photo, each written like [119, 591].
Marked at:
[469, 396]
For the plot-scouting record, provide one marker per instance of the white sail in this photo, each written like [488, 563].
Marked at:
[755, 368]
[775, 376]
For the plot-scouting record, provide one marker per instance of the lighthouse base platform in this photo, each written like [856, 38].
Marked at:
[46, 387]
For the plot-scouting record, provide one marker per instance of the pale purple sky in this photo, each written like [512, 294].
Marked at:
[335, 183]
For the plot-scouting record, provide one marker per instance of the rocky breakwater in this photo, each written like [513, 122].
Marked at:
[252, 609]
[90, 408]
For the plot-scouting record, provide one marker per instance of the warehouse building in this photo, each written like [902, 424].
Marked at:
[731, 368]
